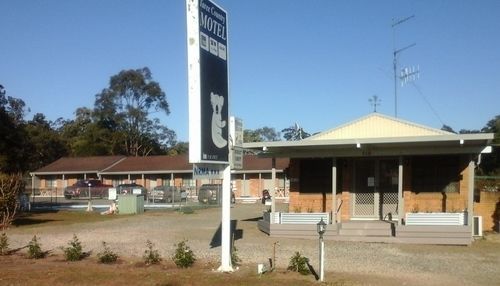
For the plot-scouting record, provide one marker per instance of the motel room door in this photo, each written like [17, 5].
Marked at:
[375, 194]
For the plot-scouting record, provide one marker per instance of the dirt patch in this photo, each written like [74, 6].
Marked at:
[347, 263]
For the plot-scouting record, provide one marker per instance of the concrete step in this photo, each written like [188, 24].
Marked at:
[366, 225]
[366, 228]
[365, 232]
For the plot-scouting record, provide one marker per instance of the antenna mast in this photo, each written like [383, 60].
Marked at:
[374, 101]
[395, 53]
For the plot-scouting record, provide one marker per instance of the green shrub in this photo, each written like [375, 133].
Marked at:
[235, 259]
[107, 256]
[151, 256]
[299, 263]
[187, 210]
[4, 244]
[184, 256]
[74, 251]
[35, 249]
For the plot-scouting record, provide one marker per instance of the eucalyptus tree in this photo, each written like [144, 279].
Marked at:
[125, 108]
[261, 134]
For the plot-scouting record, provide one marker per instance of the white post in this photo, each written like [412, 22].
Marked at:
[273, 186]
[401, 201]
[226, 222]
[321, 259]
[470, 194]
[334, 190]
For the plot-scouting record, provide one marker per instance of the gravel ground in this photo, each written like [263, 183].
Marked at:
[379, 263]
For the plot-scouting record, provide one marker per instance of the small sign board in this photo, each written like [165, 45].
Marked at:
[136, 191]
[236, 140]
[112, 194]
[208, 171]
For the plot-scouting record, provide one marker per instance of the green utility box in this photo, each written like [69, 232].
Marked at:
[130, 204]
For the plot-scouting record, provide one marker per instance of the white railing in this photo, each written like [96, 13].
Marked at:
[296, 218]
[435, 218]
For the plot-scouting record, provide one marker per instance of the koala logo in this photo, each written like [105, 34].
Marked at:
[217, 122]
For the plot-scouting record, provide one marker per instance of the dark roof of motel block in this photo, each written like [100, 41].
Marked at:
[122, 164]
[152, 163]
[80, 164]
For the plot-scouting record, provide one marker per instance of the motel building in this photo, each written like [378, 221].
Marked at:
[382, 179]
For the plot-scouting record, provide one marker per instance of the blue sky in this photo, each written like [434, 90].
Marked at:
[312, 62]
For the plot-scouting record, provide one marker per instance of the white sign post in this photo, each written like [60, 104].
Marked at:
[209, 104]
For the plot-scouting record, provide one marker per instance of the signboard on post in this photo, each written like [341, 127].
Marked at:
[208, 171]
[208, 83]
[208, 103]
[236, 140]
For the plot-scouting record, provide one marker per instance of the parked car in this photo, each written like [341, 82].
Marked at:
[210, 194]
[131, 188]
[167, 194]
[82, 187]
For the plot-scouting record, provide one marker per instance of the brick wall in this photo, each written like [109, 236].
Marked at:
[489, 208]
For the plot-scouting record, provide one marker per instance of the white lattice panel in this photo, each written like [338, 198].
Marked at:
[364, 204]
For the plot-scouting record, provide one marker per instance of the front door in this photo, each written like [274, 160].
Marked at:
[375, 194]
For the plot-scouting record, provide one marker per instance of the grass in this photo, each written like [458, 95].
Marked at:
[58, 218]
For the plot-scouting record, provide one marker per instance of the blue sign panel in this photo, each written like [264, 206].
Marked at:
[213, 83]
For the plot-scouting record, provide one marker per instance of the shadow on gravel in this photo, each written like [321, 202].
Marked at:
[27, 219]
[253, 219]
[235, 234]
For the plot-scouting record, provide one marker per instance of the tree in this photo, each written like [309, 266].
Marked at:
[14, 145]
[45, 142]
[491, 162]
[85, 137]
[125, 108]
[261, 134]
[294, 132]
[178, 149]
[448, 128]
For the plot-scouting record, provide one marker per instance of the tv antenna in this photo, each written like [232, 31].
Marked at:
[407, 74]
[375, 101]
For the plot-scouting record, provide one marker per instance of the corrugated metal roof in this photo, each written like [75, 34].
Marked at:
[377, 125]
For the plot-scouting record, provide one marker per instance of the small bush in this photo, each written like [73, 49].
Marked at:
[299, 263]
[187, 210]
[74, 251]
[184, 256]
[4, 244]
[107, 256]
[151, 256]
[35, 249]
[235, 259]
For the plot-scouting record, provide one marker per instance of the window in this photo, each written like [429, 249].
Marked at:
[51, 182]
[435, 174]
[315, 175]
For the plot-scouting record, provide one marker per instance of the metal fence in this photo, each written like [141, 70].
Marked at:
[54, 197]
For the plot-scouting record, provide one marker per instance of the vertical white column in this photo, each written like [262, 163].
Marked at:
[226, 222]
[470, 194]
[401, 201]
[273, 186]
[321, 259]
[334, 190]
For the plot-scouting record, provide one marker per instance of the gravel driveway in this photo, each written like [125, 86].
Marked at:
[379, 263]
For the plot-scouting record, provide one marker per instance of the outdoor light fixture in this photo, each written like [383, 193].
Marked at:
[321, 228]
